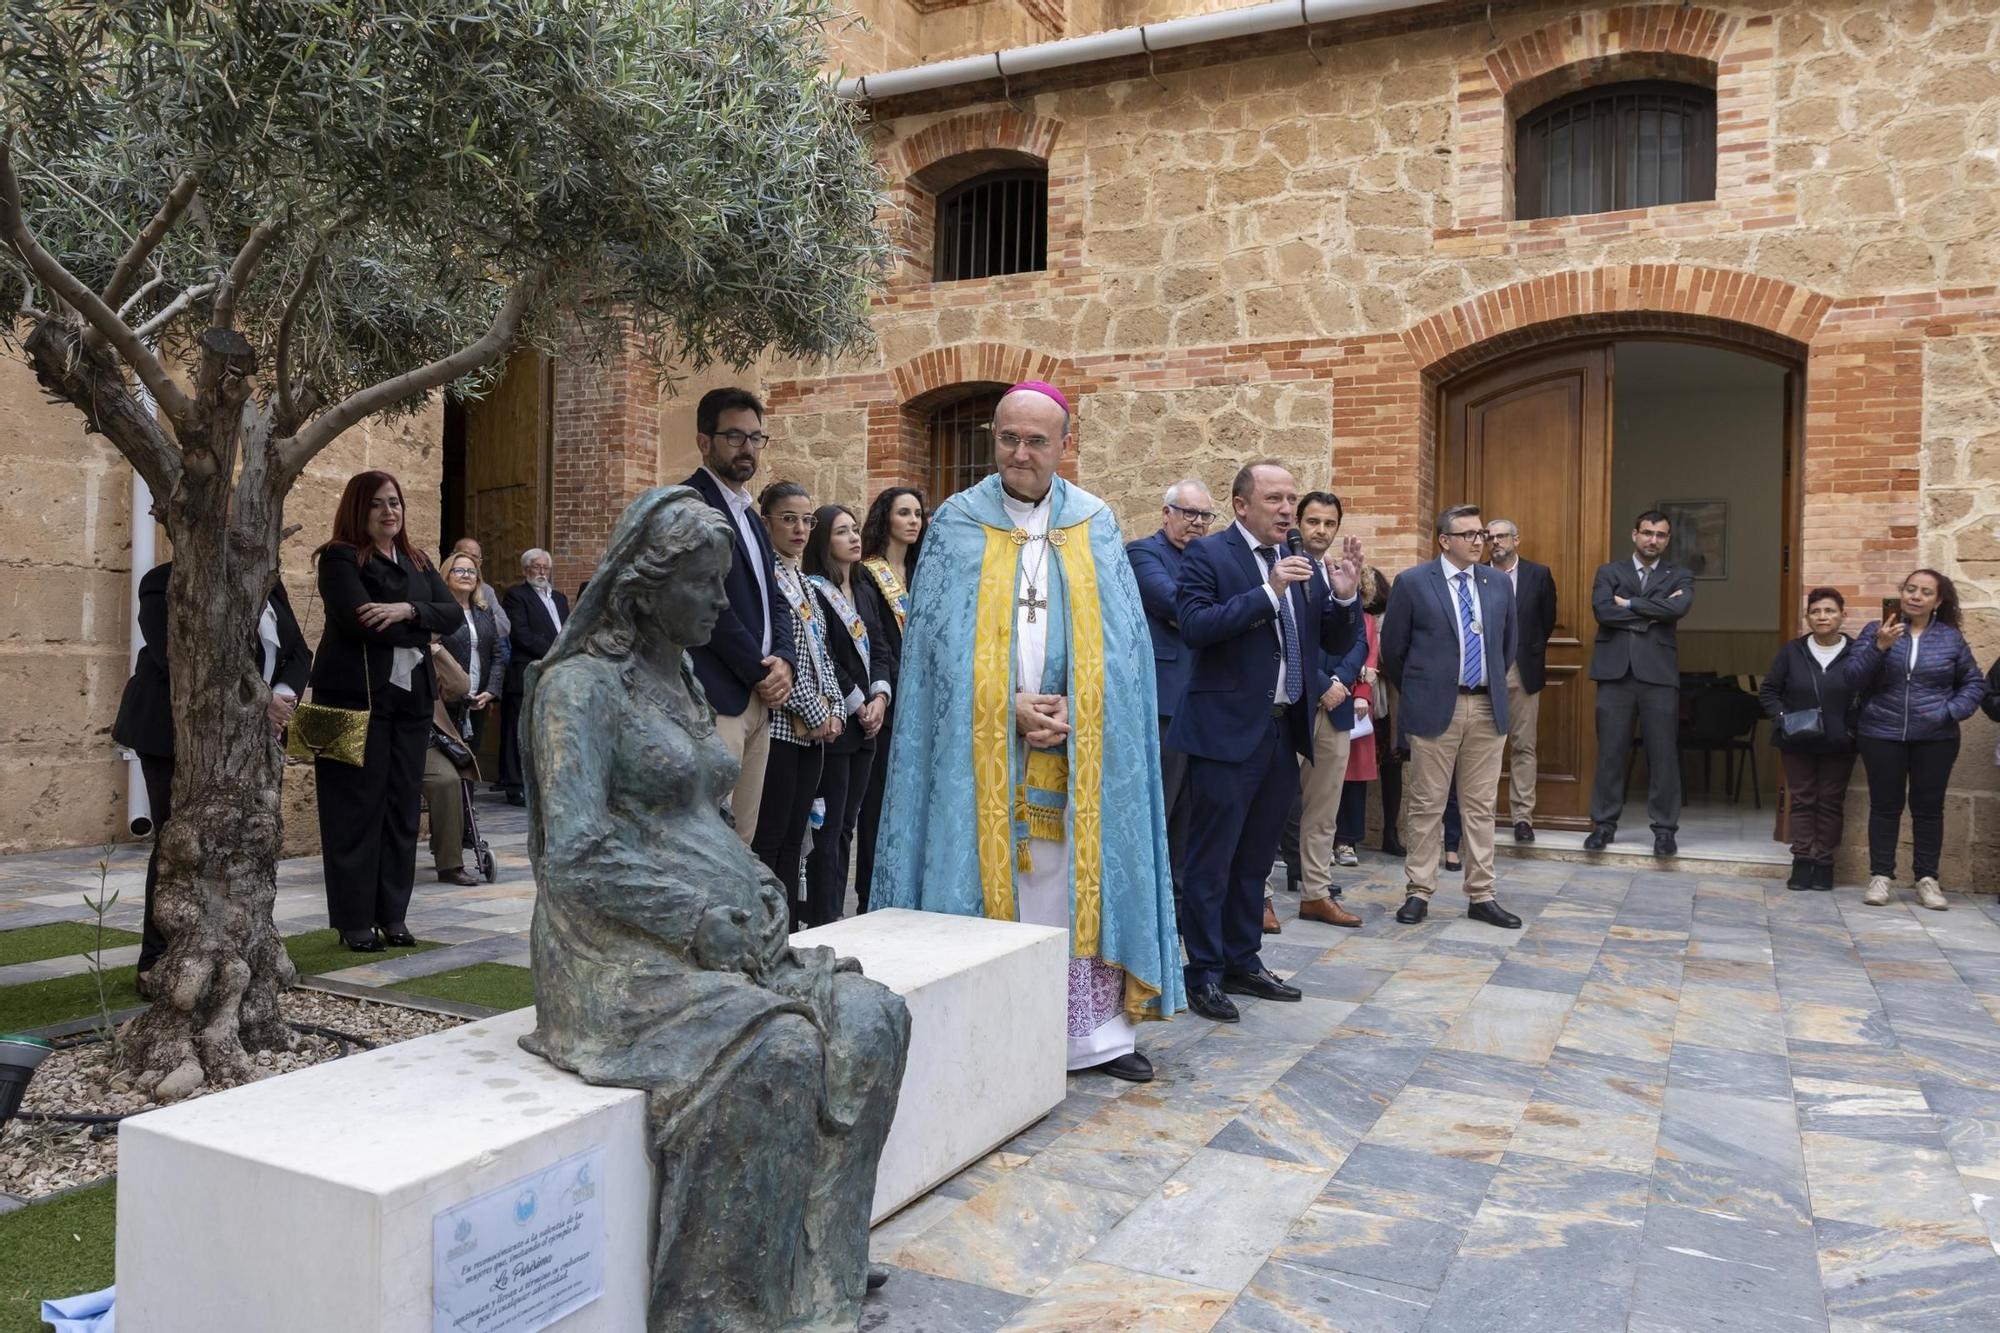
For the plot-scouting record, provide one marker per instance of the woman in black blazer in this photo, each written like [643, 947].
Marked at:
[891, 539]
[145, 724]
[384, 603]
[1817, 768]
[475, 646]
[862, 663]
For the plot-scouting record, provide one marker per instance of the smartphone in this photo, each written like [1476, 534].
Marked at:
[1892, 610]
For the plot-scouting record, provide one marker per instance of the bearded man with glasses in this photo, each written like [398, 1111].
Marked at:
[747, 665]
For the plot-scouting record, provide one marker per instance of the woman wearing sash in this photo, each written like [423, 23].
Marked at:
[863, 664]
[890, 539]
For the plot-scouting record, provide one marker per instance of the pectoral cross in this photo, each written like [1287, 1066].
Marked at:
[1032, 603]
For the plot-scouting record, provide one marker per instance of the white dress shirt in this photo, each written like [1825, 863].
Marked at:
[740, 504]
[1646, 571]
[548, 600]
[267, 637]
[1278, 692]
[1031, 637]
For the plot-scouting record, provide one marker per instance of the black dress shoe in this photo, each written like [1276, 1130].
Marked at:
[1664, 845]
[1823, 876]
[1132, 1067]
[1802, 874]
[1260, 984]
[398, 937]
[878, 1277]
[1394, 847]
[362, 944]
[517, 798]
[1211, 1003]
[1413, 910]
[1600, 837]
[1493, 914]
[1523, 831]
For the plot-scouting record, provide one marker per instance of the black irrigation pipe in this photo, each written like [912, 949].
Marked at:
[103, 1125]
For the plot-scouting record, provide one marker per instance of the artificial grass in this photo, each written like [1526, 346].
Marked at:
[58, 939]
[36, 1004]
[501, 986]
[63, 1247]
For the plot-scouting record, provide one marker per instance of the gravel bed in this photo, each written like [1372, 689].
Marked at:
[39, 1158]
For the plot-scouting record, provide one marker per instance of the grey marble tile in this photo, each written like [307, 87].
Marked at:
[1295, 1298]
[1863, 1110]
[1511, 1023]
[1335, 980]
[1450, 1124]
[1752, 1136]
[1703, 1269]
[1408, 1183]
[915, 1302]
[1103, 1297]
[1475, 1072]
[1405, 1250]
[1601, 1082]
[1327, 1102]
[1214, 1223]
[1523, 975]
[1896, 1278]
[1017, 1235]
[1700, 1068]
[1900, 1187]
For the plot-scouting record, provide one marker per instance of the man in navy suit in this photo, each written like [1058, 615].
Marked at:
[1251, 614]
[1156, 564]
[1535, 612]
[746, 666]
[1448, 639]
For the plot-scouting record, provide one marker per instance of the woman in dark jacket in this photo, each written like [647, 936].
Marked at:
[1916, 681]
[384, 603]
[862, 662]
[891, 538]
[476, 646]
[1804, 677]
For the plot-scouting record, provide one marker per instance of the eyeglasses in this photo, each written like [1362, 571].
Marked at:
[736, 439]
[1475, 535]
[1007, 439]
[806, 521]
[1202, 516]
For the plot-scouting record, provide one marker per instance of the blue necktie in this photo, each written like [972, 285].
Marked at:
[1287, 631]
[1472, 654]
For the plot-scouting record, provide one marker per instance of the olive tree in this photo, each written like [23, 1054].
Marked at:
[236, 228]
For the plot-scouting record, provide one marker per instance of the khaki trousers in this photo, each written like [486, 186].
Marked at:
[1524, 716]
[445, 799]
[748, 736]
[1469, 750]
[1320, 785]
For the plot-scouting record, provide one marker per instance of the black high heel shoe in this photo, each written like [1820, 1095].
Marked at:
[359, 944]
[398, 937]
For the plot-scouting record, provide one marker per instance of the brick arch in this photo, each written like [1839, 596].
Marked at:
[899, 447]
[1629, 298]
[980, 132]
[1527, 69]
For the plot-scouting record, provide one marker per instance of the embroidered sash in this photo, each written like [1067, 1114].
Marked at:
[891, 583]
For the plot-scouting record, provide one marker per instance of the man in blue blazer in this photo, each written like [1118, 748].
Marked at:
[1156, 564]
[1253, 616]
[1448, 638]
[746, 666]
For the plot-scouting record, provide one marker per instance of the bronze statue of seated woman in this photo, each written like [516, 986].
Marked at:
[661, 957]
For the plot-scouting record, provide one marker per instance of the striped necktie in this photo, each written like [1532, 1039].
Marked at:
[1472, 653]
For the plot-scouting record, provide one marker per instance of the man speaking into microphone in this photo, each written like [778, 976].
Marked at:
[1255, 611]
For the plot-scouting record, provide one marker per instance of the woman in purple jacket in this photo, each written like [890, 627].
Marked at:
[1917, 681]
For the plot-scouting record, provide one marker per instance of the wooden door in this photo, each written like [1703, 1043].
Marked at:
[506, 482]
[1530, 440]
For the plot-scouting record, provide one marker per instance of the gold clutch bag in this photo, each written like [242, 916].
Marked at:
[319, 731]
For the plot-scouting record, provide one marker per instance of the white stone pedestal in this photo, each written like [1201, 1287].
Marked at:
[988, 1046]
[305, 1202]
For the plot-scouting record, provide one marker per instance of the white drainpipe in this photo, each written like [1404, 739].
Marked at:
[1143, 40]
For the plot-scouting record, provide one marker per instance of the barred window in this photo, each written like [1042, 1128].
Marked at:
[992, 224]
[1623, 145]
[962, 442]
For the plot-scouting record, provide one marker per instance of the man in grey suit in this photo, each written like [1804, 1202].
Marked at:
[1448, 639]
[1636, 665]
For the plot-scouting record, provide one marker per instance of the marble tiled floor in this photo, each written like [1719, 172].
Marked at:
[1669, 1103]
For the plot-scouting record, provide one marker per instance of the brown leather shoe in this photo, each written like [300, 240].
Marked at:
[1271, 926]
[1327, 910]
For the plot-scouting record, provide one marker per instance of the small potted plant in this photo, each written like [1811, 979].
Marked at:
[19, 1057]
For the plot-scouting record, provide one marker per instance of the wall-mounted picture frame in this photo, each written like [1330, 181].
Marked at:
[1700, 541]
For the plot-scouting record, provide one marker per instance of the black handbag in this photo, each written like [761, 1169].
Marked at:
[1806, 724]
[454, 750]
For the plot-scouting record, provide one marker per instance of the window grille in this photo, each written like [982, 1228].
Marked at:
[962, 443]
[1624, 145]
[993, 224]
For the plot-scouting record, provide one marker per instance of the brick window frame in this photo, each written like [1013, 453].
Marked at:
[950, 151]
[899, 442]
[1665, 42]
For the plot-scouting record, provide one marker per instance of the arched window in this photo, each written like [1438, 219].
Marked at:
[961, 434]
[1621, 145]
[992, 224]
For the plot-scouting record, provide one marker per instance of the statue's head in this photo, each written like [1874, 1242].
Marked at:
[661, 577]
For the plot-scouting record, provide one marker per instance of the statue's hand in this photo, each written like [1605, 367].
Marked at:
[723, 940]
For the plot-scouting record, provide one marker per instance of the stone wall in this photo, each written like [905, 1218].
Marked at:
[65, 605]
[1256, 249]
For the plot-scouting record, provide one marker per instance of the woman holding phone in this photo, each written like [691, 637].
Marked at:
[1916, 680]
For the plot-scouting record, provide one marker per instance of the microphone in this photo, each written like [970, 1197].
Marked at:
[1294, 543]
